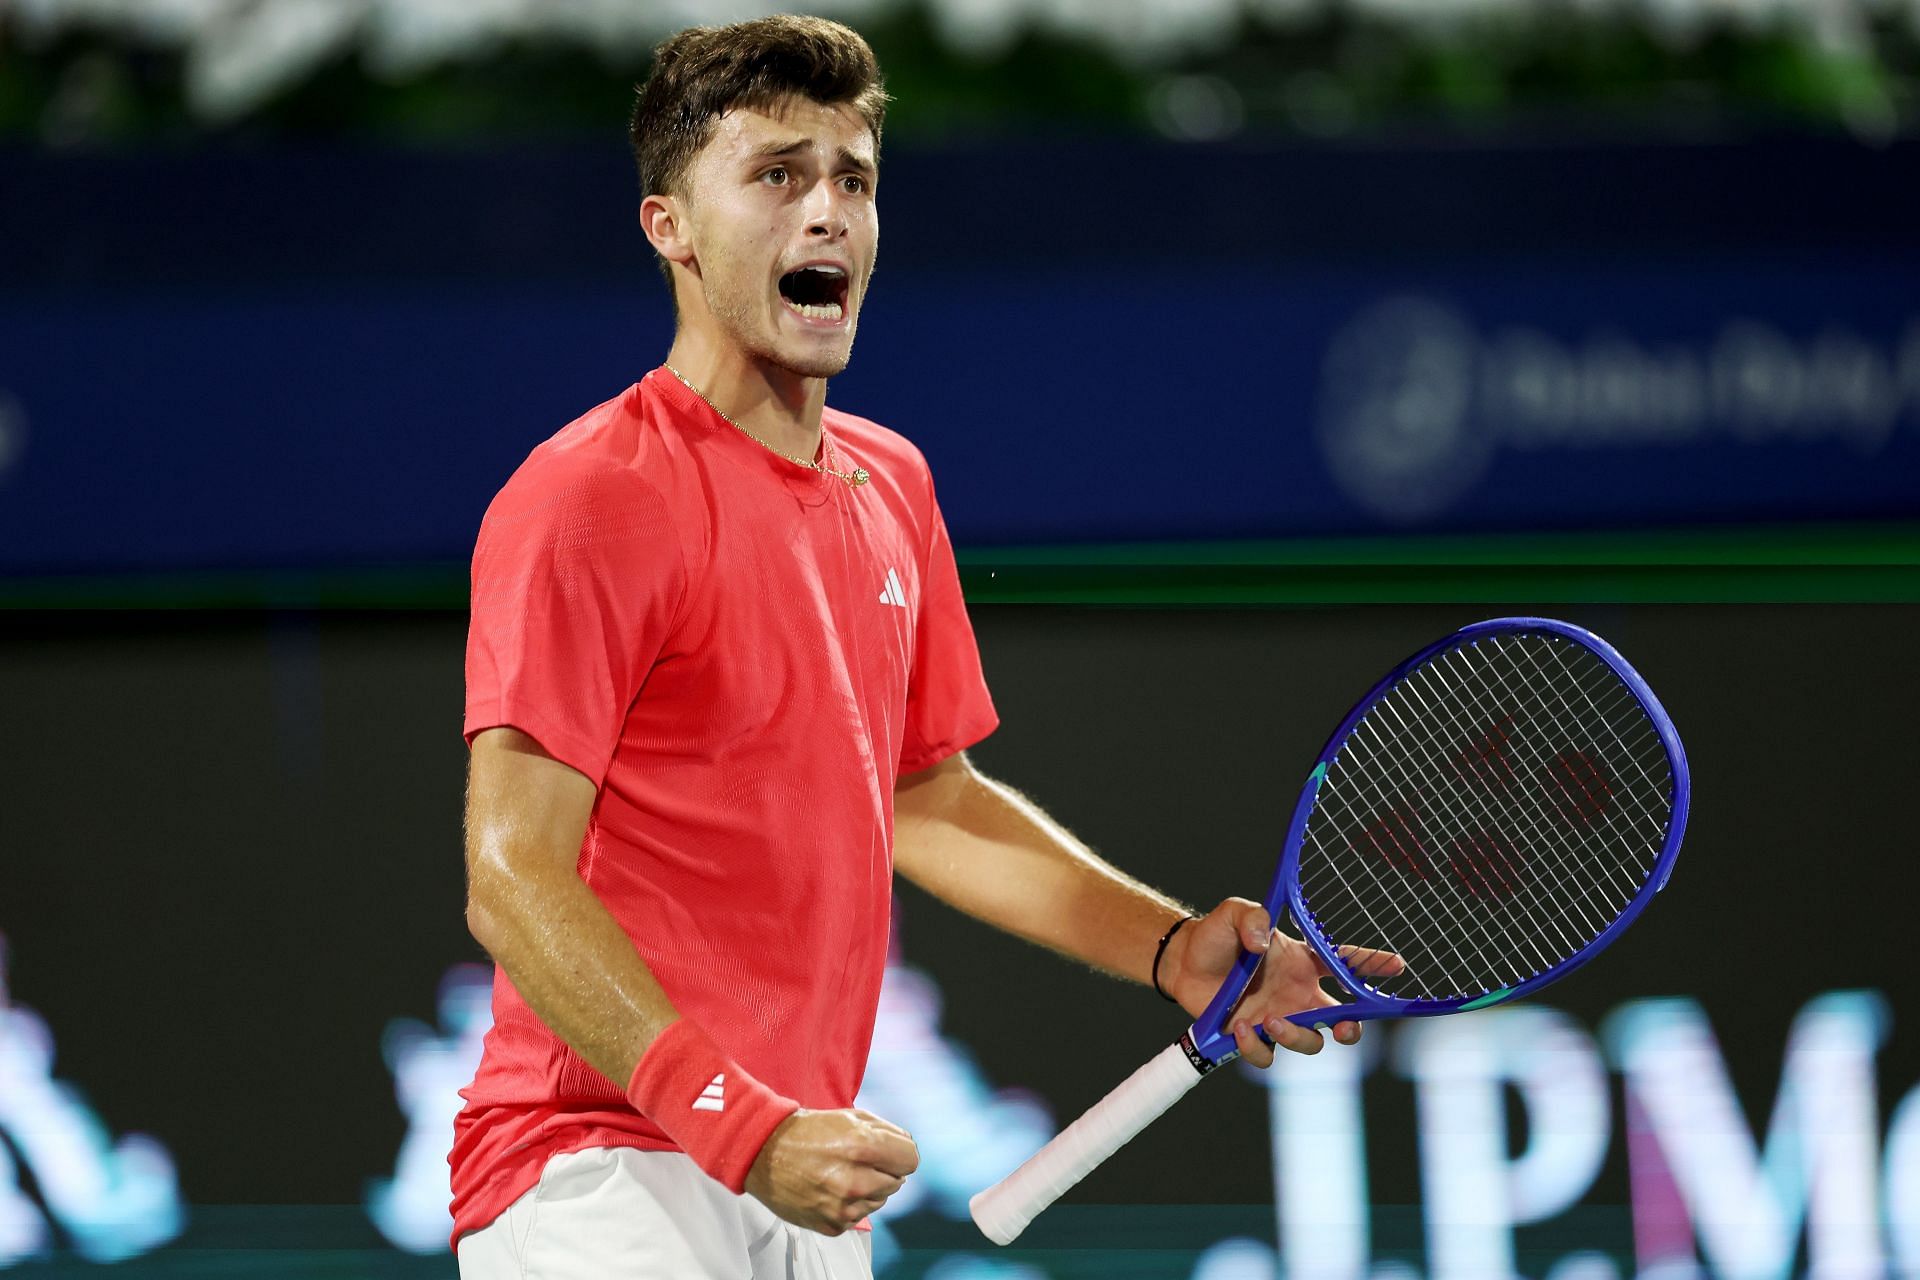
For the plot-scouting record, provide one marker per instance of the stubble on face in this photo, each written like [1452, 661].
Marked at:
[770, 190]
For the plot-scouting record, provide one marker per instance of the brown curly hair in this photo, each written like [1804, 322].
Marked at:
[702, 73]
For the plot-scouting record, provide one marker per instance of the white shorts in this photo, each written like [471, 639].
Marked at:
[616, 1213]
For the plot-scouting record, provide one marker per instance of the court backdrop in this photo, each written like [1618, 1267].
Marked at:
[238, 991]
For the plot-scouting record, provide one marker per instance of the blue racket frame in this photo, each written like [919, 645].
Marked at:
[1210, 1036]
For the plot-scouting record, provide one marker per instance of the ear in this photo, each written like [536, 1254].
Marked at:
[662, 221]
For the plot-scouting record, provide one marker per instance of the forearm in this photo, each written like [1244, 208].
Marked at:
[526, 904]
[991, 852]
[581, 974]
[574, 966]
[986, 849]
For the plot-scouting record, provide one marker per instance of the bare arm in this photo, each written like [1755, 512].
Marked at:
[981, 846]
[526, 904]
[577, 969]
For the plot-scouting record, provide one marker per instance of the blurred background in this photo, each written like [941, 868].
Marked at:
[1254, 344]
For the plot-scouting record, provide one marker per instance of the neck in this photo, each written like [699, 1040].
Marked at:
[778, 406]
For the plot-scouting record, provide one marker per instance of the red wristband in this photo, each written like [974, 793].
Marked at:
[713, 1110]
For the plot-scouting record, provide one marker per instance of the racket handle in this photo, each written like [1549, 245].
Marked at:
[1004, 1209]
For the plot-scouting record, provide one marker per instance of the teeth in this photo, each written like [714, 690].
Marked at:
[824, 311]
[829, 271]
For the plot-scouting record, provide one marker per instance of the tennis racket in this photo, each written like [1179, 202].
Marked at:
[1495, 811]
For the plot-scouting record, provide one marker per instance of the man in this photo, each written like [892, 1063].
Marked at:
[720, 684]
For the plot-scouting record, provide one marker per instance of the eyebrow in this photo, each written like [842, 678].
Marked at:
[847, 156]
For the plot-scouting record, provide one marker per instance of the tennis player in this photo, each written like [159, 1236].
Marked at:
[720, 682]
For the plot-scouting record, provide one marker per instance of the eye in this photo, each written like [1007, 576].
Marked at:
[853, 184]
[776, 176]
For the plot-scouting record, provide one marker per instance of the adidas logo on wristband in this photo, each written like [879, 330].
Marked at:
[728, 1121]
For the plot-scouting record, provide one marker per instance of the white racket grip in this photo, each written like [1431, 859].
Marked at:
[1004, 1209]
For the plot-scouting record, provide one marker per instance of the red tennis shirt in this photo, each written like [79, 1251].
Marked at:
[743, 655]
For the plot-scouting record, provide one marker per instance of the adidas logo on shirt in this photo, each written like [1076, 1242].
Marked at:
[894, 592]
[714, 1096]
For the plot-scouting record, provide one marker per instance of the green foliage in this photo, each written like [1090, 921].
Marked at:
[1336, 72]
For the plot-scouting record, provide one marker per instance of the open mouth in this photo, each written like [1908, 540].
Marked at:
[817, 292]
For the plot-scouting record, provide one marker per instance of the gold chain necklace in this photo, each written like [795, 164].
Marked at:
[854, 478]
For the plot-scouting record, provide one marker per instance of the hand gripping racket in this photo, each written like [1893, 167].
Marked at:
[1495, 812]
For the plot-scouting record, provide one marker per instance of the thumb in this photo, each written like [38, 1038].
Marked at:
[1255, 927]
[894, 1152]
[880, 1122]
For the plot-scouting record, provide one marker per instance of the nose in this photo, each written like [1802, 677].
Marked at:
[826, 213]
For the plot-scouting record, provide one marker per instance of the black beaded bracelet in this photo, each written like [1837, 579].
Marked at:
[1161, 951]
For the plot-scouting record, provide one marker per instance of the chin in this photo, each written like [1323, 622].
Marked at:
[814, 364]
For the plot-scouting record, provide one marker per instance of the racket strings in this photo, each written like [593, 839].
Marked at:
[1445, 718]
[1649, 740]
[1561, 780]
[1488, 817]
[1448, 719]
[1555, 840]
[1478, 949]
[1582, 910]
[1518, 945]
[1464, 948]
[1468, 950]
[1574, 922]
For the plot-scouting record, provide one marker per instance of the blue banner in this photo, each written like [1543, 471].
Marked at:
[348, 427]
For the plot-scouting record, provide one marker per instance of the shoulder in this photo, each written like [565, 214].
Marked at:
[604, 456]
[601, 477]
[882, 449]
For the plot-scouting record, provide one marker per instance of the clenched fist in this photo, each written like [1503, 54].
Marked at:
[826, 1170]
